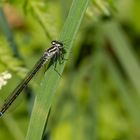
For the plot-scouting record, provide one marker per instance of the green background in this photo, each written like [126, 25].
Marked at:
[97, 96]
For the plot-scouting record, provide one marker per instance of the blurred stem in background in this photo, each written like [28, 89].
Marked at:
[8, 33]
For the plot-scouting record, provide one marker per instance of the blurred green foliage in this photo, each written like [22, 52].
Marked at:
[98, 97]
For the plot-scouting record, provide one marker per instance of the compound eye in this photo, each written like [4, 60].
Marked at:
[53, 42]
[58, 45]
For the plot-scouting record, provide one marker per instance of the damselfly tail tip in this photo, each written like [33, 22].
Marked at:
[1, 114]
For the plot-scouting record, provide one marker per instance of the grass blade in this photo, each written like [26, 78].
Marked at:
[50, 81]
[124, 53]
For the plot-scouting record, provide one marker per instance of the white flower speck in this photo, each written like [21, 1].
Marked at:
[4, 76]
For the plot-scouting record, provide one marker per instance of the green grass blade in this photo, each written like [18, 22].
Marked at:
[50, 81]
[124, 53]
[124, 92]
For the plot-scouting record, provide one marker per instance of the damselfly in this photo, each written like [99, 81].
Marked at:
[55, 52]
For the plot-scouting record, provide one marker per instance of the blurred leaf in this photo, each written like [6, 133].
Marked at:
[124, 53]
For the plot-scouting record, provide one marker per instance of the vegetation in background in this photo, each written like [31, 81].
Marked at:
[98, 95]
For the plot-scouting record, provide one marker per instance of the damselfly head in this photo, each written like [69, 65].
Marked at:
[57, 44]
